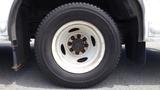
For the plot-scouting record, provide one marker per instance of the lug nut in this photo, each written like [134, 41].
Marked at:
[86, 45]
[78, 36]
[83, 51]
[84, 39]
[71, 49]
[77, 52]
[69, 43]
[72, 38]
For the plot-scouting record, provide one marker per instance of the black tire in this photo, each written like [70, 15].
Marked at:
[70, 12]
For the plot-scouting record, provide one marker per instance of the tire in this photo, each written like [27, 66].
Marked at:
[92, 36]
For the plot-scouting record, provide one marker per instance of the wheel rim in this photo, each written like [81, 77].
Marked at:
[78, 47]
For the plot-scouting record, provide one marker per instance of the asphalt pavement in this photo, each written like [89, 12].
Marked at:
[127, 76]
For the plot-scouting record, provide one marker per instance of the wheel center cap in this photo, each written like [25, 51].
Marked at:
[78, 44]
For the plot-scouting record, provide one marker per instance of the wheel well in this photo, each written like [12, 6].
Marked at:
[126, 13]
[26, 15]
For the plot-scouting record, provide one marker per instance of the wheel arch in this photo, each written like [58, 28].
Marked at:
[20, 54]
[136, 7]
[140, 15]
[12, 19]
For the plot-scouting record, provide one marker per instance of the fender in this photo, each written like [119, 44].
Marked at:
[12, 19]
[17, 52]
[138, 6]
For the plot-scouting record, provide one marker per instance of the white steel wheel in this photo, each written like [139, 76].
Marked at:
[78, 47]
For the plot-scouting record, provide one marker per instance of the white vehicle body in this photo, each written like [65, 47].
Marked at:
[152, 19]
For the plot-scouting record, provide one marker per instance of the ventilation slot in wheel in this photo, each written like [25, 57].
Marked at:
[63, 49]
[93, 41]
[73, 30]
[82, 60]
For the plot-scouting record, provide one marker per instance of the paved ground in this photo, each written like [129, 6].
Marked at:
[127, 76]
